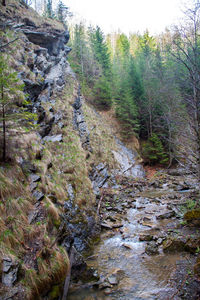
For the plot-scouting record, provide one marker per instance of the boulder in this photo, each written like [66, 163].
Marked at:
[53, 138]
[10, 271]
[173, 245]
[151, 248]
[145, 237]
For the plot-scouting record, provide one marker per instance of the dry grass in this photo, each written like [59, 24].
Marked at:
[18, 10]
[36, 283]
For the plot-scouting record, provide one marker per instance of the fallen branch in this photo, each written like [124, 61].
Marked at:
[5, 45]
[67, 280]
[129, 168]
[99, 204]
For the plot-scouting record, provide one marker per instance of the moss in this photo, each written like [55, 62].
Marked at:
[192, 215]
[55, 292]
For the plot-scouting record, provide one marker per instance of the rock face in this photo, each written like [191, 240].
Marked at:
[127, 160]
[53, 42]
[99, 177]
[46, 53]
[80, 124]
[10, 270]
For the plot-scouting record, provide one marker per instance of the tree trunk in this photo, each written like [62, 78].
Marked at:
[4, 127]
[4, 2]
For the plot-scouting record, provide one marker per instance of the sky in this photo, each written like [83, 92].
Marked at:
[127, 15]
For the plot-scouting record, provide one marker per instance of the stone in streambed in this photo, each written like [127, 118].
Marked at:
[165, 215]
[174, 245]
[151, 248]
[145, 237]
[112, 279]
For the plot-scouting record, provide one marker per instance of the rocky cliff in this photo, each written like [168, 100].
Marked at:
[50, 190]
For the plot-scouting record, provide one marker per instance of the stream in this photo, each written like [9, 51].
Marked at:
[125, 269]
[136, 218]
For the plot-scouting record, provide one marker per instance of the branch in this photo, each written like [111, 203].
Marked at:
[5, 45]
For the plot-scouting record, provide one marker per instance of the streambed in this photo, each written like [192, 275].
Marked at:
[129, 259]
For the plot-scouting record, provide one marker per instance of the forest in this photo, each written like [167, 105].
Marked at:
[152, 84]
[99, 157]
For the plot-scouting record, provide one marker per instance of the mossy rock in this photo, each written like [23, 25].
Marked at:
[173, 245]
[192, 215]
[181, 244]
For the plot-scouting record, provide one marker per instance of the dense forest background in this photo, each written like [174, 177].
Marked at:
[150, 83]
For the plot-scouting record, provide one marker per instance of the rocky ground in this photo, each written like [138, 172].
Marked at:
[166, 225]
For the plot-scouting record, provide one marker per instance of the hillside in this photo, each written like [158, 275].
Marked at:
[51, 174]
[75, 204]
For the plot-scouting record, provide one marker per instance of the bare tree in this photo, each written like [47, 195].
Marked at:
[185, 48]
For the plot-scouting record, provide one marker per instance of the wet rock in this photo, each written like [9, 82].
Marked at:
[104, 285]
[112, 279]
[127, 246]
[10, 271]
[38, 195]
[166, 215]
[106, 226]
[53, 138]
[145, 237]
[151, 248]
[107, 291]
[174, 245]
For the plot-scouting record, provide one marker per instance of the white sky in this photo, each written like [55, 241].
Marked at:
[127, 15]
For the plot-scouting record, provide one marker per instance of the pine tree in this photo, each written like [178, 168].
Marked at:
[62, 12]
[154, 152]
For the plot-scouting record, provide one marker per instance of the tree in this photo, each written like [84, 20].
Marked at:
[49, 9]
[4, 2]
[12, 104]
[185, 49]
[100, 49]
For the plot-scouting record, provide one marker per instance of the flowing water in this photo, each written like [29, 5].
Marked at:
[122, 255]
[125, 269]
